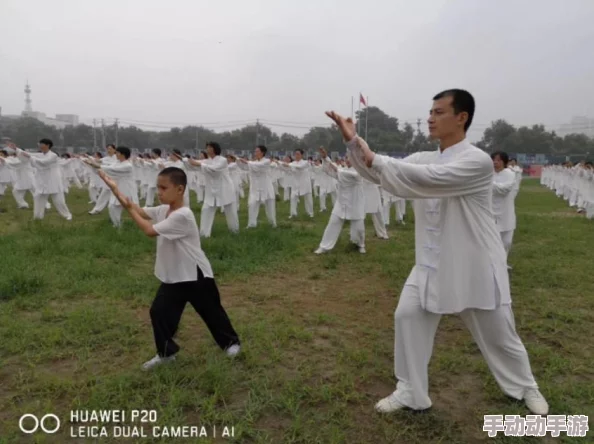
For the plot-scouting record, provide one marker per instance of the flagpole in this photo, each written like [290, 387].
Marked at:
[366, 115]
[352, 107]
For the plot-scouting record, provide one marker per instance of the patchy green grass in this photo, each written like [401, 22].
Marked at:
[317, 331]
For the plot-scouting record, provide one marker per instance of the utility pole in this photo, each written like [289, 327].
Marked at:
[419, 126]
[94, 134]
[103, 144]
[116, 132]
[257, 131]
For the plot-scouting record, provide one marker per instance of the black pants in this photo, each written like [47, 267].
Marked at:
[170, 302]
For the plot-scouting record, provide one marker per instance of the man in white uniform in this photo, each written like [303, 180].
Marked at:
[301, 183]
[504, 193]
[48, 180]
[350, 205]
[219, 190]
[104, 197]
[261, 188]
[460, 264]
[518, 171]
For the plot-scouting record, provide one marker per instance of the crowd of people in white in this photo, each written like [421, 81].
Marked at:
[219, 182]
[574, 183]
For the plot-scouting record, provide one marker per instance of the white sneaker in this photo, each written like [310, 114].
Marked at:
[362, 250]
[69, 218]
[389, 404]
[157, 360]
[535, 402]
[233, 350]
[320, 251]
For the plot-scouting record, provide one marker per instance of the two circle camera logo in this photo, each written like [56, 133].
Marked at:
[29, 423]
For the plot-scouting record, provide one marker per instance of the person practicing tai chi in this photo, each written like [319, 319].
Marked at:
[219, 190]
[261, 188]
[349, 205]
[504, 193]
[460, 265]
[301, 183]
[181, 266]
[47, 180]
[122, 173]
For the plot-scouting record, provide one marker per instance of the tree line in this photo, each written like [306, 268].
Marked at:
[385, 134]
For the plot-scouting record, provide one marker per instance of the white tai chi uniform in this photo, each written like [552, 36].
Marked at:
[123, 174]
[504, 194]
[106, 194]
[518, 171]
[22, 178]
[261, 190]
[47, 183]
[300, 186]
[373, 206]
[219, 191]
[460, 267]
[349, 205]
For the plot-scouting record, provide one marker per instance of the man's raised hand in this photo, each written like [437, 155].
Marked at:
[346, 126]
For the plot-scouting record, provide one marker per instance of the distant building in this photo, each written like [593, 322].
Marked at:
[60, 121]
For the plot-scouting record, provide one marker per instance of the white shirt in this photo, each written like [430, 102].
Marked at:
[350, 202]
[460, 262]
[503, 200]
[261, 188]
[178, 245]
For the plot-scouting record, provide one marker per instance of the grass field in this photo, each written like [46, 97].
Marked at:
[317, 331]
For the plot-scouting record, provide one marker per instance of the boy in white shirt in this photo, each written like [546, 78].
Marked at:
[181, 266]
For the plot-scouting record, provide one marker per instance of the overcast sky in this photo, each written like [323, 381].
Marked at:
[203, 61]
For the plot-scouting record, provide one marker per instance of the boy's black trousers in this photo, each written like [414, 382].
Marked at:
[169, 304]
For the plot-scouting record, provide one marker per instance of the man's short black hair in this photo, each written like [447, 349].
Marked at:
[462, 102]
[125, 151]
[47, 142]
[215, 146]
[98, 154]
[177, 153]
[262, 149]
[300, 150]
[177, 176]
[502, 155]
[157, 151]
[111, 145]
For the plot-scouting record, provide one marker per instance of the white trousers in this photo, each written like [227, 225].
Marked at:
[400, 206]
[187, 198]
[19, 197]
[323, 195]
[41, 200]
[308, 203]
[379, 224]
[115, 214]
[3, 186]
[207, 218]
[150, 196]
[94, 193]
[275, 186]
[494, 332]
[102, 201]
[286, 194]
[200, 193]
[254, 209]
[334, 227]
[507, 238]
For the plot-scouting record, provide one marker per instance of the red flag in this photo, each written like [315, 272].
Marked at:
[362, 99]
